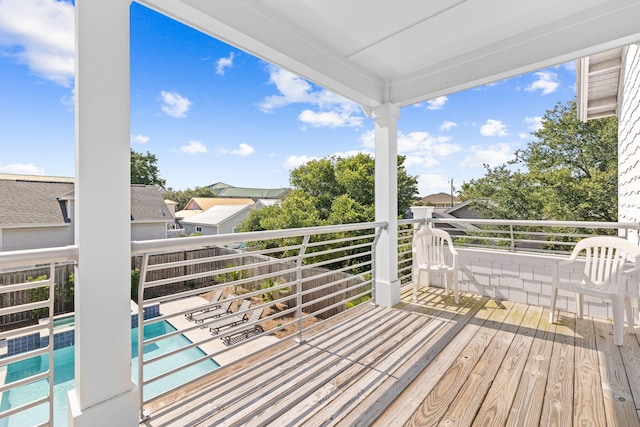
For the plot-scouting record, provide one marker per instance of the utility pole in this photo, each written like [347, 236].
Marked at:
[451, 182]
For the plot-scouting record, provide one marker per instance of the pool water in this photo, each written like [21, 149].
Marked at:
[64, 372]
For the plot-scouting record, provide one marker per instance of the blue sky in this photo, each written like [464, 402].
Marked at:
[210, 112]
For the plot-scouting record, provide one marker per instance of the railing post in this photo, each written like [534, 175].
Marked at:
[513, 242]
[52, 290]
[141, 282]
[374, 244]
[303, 249]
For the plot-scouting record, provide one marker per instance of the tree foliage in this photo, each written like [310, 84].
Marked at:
[182, 197]
[144, 169]
[331, 190]
[568, 173]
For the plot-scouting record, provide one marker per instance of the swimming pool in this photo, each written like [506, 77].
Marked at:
[64, 372]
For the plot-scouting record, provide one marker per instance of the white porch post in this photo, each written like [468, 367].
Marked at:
[104, 393]
[386, 182]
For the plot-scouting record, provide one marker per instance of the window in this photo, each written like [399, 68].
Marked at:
[198, 229]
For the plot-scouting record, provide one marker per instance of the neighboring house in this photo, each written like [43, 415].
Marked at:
[38, 212]
[221, 189]
[204, 203]
[609, 84]
[197, 205]
[439, 200]
[221, 219]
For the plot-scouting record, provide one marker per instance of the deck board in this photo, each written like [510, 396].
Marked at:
[484, 362]
[588, 407]
[497, 404]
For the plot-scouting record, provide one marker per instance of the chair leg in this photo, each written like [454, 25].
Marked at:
[451, 278]
[579, 306]
[629, 311]
[617, 305]
[552, 309]
[416, 283]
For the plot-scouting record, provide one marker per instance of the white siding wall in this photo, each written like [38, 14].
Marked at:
[228, 226]
[34, 238]
[520, 278]
[629, 140]
[148, 231]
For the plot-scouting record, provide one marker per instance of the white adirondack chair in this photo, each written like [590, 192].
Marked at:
[604, 275]
[429, 255]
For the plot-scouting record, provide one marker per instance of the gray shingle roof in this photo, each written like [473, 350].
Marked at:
[147, 204]
[24, 202]
[31, 202]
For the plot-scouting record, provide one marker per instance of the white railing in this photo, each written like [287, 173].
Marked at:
[26, 260]
[527, 235]
[310, 274]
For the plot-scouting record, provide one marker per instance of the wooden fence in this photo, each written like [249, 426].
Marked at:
[63, 293]
[320, 299]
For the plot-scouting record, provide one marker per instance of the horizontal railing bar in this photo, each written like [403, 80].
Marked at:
[26, 406]
[23, 331]
[24, 381]
[16, 287]
[541, 223]
[163, 245]
[24, 356]
[24, 307]
[38, 256]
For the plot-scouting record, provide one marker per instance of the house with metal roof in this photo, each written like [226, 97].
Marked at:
[219, 219]
[221, 189]
[38, 212]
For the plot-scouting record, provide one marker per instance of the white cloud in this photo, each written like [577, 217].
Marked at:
[22, 169]
[420, 148]
[331, 119]
[223, 63]
[194, 147]
[40, 34]
[448, 125]
[547, 82]
[140, 139]
[243, 150]
[494, 128]
[493, 155]
[293, 162]
[430, 183]
[437, 103]
[331, 110]
[174, 104]
[427, 162]
[523, 135]
[534, 123]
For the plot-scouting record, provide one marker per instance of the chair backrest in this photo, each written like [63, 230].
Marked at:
[605, 256]
[216, 296]
[256, 315]
[429, 244]
[244, 306]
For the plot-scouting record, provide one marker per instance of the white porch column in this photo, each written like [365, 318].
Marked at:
[386, 182]
[104, 393]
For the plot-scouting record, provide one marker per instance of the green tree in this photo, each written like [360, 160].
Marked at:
[331, 190]
[568, 173]
[182, 197]
[144, 169]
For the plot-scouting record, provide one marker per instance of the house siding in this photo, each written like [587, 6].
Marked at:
[629, 140]
[227, 227]
[523, 278]
[148, 231]
[33, 238]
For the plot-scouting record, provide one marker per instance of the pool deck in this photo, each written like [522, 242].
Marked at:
[424, 363]
[223, 355]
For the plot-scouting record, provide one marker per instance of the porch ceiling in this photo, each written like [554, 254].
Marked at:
[374, 51]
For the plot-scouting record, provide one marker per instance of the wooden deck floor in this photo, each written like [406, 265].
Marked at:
[483, 362]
